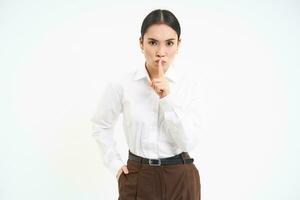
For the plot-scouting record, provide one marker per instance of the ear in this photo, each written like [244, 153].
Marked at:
[141, 43]
[178, 43]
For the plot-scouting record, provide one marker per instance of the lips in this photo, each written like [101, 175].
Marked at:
[158, 61]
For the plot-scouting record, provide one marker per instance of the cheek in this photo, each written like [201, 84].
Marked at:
[148, 53]
[172, 53]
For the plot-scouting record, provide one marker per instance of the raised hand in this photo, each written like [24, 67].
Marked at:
[160, 84]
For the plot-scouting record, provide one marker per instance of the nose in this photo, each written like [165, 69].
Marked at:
[161, 51]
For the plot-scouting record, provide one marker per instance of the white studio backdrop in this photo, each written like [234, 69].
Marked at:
[57, 56]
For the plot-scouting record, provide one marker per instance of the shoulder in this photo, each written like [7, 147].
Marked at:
[190, 82]
[120, 80]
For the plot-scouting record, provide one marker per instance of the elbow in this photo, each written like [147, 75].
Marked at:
[189, 144]
[189, 139]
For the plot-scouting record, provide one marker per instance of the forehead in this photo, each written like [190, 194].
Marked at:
[160, 32]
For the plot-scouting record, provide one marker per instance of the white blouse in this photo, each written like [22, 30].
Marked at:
[154, 127]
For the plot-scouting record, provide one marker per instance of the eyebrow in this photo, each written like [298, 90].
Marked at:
[157, 40]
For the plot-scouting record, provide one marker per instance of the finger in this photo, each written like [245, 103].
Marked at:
[159, 84]
[160, 69]
[119, 173]
[158, 91]
[125, 170]
[158, 88]
[155, 81]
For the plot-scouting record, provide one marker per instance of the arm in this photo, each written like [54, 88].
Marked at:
[103, 123]
[183, 122]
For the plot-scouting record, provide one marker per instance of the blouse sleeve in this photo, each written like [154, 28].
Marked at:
[103, 123]
[183, 122]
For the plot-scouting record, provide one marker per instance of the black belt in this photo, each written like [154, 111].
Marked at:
[181, 158]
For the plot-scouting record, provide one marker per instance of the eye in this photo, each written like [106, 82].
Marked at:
[152, 42]
[169, 43]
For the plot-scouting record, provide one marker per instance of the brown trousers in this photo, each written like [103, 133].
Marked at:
[166, 182]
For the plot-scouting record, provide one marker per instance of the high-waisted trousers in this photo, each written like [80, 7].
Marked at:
[165, 182]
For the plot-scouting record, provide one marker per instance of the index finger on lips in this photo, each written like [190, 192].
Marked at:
[160, 69]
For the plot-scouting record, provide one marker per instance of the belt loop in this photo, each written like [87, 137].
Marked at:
[141, 161]
[181, 155]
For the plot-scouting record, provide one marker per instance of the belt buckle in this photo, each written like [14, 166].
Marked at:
[154, 164]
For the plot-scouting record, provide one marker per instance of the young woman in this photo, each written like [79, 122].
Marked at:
[160, 108]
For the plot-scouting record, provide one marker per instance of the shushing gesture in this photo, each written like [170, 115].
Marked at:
[160, 84]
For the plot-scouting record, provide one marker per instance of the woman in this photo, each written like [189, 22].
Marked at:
[160, 110]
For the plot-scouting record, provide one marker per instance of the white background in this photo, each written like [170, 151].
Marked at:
[56, 56]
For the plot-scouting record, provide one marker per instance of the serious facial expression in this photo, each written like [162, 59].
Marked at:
[159, 42]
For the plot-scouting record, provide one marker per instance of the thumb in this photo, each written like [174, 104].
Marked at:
[125, 170]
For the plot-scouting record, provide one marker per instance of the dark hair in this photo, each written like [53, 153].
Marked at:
[160, 16]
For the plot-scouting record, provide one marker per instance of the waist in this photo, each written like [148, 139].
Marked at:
[182, 158]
